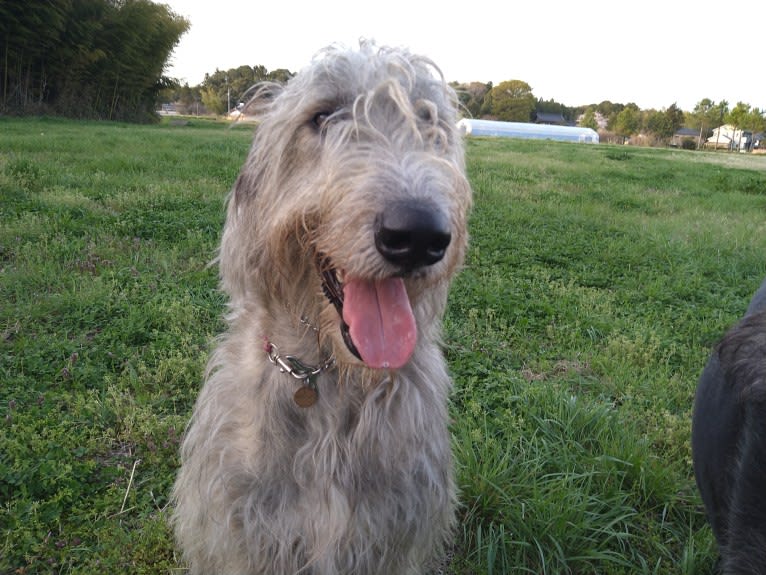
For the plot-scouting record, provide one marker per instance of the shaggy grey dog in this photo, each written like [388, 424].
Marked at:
[729, 442]
[319, 442]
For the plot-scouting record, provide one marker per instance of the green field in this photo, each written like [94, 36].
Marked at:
[597, 281]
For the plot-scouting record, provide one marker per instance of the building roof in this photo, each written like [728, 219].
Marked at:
[684, 132]
[550, 118]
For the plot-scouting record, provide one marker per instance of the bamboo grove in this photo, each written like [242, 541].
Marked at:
[85, 58]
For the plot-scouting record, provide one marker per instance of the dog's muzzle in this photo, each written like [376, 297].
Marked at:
[412, 234]
[376, 318]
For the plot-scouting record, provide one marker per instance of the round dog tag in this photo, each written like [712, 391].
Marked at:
[305, 396]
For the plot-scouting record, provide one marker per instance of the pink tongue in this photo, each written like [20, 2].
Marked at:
[380, 321]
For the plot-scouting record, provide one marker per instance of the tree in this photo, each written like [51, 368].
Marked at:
[486, 105]
[471, 96]
[95, 58]
[704, 117]
[757, 120]
[280, 75]
[588, 119]
[213, 101]
[609, 111]
[512, 101]
[745, 118]
[29, 31]
[722, 110]
[553, 107]
[185, 95]
[675, 119]
[235, 84]
[665, 123]
[628, 121]
[739, 116]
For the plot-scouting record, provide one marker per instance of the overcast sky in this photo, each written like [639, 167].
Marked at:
[653, 53]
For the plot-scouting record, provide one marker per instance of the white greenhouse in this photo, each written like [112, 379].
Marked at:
[470, 127]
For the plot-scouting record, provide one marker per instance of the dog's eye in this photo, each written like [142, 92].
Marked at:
[320, 118]
[427, 111]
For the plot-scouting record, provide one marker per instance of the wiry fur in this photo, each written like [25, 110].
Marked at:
[729, 442]
[362, 482]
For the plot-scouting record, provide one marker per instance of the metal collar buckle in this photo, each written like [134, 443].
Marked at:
[307, 394]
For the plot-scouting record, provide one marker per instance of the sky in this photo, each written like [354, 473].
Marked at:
[652, 53]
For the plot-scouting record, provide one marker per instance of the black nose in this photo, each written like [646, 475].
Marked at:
[412, 234]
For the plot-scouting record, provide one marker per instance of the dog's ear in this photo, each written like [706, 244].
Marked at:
[231, 258]
[262, 98]
[235, 257]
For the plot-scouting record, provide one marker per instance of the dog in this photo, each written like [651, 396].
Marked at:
[729, 442]
[319, 443]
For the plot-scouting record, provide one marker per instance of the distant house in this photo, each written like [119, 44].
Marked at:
[759, 143]
[684, 135]
[168, 110]
[550, 118]
[727, 137]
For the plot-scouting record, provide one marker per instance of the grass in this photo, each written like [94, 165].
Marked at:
[597, 281]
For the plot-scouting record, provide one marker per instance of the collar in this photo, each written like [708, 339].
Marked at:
[307, 394]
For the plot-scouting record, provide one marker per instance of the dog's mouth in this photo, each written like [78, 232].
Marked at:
[376, 319]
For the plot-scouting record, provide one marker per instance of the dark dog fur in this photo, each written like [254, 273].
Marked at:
[729, 442]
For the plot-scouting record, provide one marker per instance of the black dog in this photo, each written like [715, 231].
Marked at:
[729, 442]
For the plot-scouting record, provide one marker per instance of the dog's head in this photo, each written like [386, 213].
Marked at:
[351, 207]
